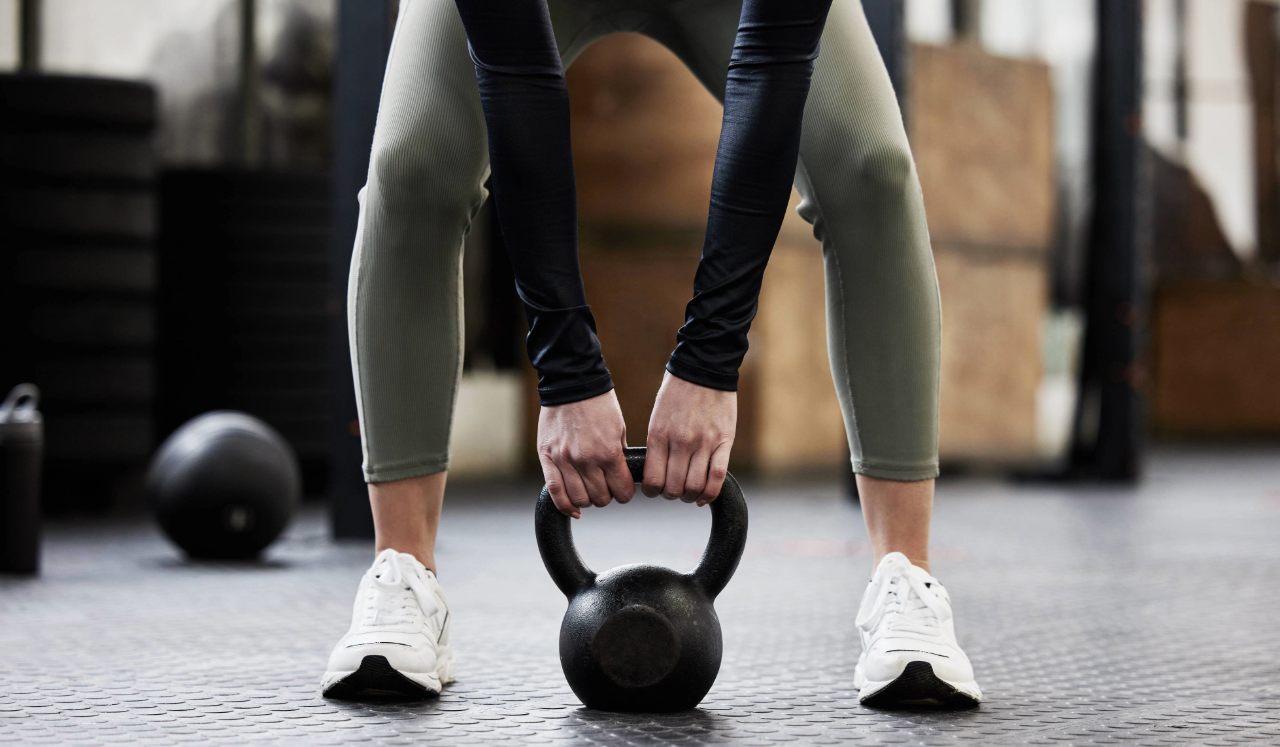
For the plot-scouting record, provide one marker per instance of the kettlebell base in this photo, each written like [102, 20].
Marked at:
[632, 704]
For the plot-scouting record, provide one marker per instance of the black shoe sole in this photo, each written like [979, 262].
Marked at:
[919, 687]
[377, 679]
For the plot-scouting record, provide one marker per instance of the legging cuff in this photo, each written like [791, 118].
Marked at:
[901, 474]
[406, 470]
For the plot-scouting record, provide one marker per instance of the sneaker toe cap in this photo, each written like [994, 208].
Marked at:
[404, 655]
[889, 662]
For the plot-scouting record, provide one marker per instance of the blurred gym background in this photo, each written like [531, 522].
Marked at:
[177, 209]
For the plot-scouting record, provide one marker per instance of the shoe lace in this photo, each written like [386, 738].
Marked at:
[398, 598]
[906, 603]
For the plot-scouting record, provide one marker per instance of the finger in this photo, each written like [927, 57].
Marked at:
[597, 488]
[573, 485]
[618, 478]
[696, 479]
[677, 469]
[655, 464]
[555, 486]
[716, 473]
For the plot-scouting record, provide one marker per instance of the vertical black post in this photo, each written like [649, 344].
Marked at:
[364, 37]
[966, 20]
[888, 26]
[1110, 418]
[250, 87]
[1180, 87]
[30, 33]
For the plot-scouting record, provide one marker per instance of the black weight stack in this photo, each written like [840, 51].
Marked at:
[77, 273]
[243, 318]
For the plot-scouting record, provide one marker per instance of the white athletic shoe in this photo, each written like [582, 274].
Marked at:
[398, 644]
[909, 650]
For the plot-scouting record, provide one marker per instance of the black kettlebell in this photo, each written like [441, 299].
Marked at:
[642, 637]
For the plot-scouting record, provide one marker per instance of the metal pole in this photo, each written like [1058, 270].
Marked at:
[1180, 73]
[29, 36]
[1110, 420]
[1263, 54]
[250, 113]
[364, 38]
[966, 20]
[888, 25]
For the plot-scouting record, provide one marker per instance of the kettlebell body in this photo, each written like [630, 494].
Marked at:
[642, 638]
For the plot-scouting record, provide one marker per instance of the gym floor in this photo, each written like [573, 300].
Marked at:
[1093, 616]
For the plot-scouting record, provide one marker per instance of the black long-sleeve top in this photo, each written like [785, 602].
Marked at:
[526, 108]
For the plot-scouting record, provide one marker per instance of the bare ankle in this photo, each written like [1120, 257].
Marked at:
[897, 515]
[406, 515]
[917, 561]
[422, 553]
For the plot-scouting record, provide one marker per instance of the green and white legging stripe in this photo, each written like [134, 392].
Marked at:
[856, 178]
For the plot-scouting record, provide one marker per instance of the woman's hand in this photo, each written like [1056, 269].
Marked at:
[690, 435]
[580, 448]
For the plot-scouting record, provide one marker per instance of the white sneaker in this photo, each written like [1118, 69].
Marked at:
[909, 650]
[398, 644]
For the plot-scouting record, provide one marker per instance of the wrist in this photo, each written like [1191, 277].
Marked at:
[722, 381]
[576, 391]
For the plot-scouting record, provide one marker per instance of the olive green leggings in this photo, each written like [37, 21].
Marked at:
[856, 179]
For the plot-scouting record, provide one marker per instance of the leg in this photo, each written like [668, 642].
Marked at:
[897, 515]
[426, 174]
[858, 186]
[428, 163]
[404, 302]
[406, 515]
[859, 189]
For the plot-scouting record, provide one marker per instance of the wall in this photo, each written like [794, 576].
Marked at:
[190, 50]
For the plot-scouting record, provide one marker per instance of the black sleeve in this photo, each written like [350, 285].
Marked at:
[768, 84]
[525, 102]
[526, 108]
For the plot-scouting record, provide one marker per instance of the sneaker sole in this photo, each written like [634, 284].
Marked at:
[919, 687]
[376, 678]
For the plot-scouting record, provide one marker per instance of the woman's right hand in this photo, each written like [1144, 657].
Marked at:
[580, 449]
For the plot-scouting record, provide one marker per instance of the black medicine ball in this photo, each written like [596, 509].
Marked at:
[224, 485]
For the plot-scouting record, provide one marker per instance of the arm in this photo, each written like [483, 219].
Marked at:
[526, 107]
[768, 83]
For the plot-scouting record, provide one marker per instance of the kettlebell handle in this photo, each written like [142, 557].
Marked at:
[719, 560]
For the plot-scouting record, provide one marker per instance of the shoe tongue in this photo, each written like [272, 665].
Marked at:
[892, 560]
[409, 565]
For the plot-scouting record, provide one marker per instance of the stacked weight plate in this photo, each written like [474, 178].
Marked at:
[77, 272]
[243, 323]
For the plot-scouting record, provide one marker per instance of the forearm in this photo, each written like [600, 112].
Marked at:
[767, 86]
[526, 107]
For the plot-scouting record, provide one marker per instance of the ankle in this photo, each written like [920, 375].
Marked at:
[919, 560]
[424, 554]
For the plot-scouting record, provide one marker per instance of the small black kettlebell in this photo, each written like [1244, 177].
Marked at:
[642, 637]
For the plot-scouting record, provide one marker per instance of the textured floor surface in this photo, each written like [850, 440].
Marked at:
[1093, 616]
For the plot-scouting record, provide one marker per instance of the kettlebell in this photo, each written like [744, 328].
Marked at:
[642, 638]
